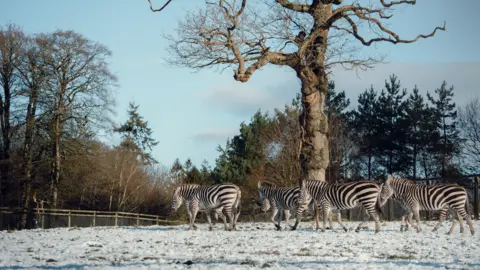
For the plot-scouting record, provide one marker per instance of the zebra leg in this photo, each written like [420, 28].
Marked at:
[462, 211]
[224, 219]
[194, 211]
[209, 219]
[317, 217]
[330, 223]
[443, 214]
[460, 220]
[231, 218]
[274, 213]
[416, 213]
[326, 213]
[286, 214]
[279, 220]
[339, 220]
[408, 221]
[454, 223]
[402, 222]
[365, 220]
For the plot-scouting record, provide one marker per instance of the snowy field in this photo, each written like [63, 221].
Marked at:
[252, 247]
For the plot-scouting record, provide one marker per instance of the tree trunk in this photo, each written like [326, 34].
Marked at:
[415, 161]
[28, 154]
[55, 174]
[5, 125]
[314, 156]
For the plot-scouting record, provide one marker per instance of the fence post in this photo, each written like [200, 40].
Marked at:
[116, 219]
[69, 218]
[475, 196]
[94, 218]
[138, 220]
[43, 215]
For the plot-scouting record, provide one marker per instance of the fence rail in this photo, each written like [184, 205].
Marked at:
[41, 213]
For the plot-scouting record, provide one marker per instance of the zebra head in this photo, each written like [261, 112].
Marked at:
[387, 191]
[304, 199]
[177, 199]
[263, 189]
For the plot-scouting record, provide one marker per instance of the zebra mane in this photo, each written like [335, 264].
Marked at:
[266, 184]
[391, 179]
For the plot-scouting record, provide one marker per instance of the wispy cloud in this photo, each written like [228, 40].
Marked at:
[245, 99]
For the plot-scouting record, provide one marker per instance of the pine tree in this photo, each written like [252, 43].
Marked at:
[365, 125]
[136, 135]
[392, 127]
[335, 106]
[416, 112]
[446, 116]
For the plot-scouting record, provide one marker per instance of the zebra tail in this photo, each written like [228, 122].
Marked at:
[237, 203]
[379, 209]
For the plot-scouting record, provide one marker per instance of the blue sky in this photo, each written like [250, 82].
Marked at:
[191, 113]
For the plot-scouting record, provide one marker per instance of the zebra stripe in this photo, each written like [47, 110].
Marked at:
[283, 199]
[225, 197]
[428, 197]
[341, 196]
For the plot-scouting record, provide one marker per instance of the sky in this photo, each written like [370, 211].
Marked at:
[191, 113]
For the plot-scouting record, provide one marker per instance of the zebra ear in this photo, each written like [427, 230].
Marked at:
[259, 184]
[303, 184]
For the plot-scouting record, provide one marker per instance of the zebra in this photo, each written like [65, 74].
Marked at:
[286, 199]
[428, 197]
[341, 196]
[207, 199]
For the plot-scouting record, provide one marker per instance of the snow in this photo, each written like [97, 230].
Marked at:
[253, 246]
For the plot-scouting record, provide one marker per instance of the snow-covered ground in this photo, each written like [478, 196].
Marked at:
[253, 246]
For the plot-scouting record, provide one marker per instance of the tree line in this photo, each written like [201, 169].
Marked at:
[391, 130]
[56, 104]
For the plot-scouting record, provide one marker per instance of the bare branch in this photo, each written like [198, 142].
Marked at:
[160, 9]
[393, 3]
[395, 38]
[292, 6]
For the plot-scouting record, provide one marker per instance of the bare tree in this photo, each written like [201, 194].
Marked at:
[308, 36]
[469, 119]
[10, 44]
[32, 77]
[79, 90]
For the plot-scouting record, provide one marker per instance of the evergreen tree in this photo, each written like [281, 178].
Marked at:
[446, 115]
[416, 112]
[335, 106]
[136, 135]
[364, 123]
[177, 171]
[392, 127]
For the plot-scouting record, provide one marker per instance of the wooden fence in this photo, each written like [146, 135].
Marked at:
[50, 218]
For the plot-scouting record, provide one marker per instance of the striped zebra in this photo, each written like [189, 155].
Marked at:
[341, 196]
[283, 199]
[428, 197]
[207, 199]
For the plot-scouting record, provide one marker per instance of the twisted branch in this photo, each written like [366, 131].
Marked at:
[160, 9]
